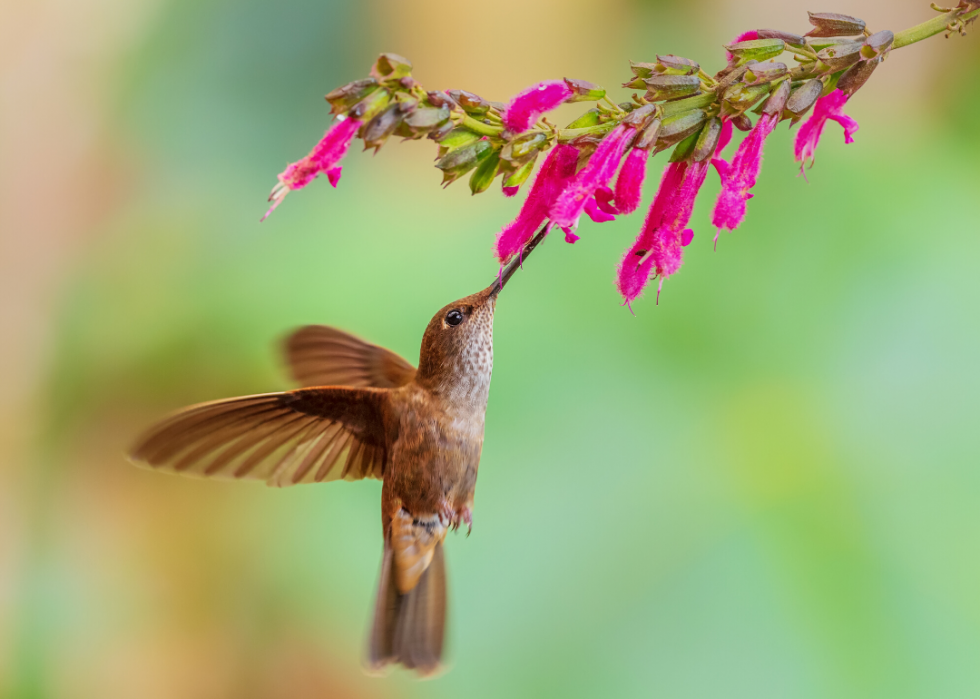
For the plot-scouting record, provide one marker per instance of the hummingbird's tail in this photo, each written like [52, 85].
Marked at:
[409, 628]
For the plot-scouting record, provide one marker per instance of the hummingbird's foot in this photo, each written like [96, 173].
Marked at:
[448, 516]
[466, 515]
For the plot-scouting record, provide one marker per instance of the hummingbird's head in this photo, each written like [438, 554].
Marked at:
[457, 348]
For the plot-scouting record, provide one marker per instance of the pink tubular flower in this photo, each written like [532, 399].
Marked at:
[658, 249]
[739, 176]
[324, 157]
[808, 137]
[568, 208]
[629, 184]
[555, 173]
[525, 108]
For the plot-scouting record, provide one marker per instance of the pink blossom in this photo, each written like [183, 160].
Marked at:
[596, 212]
[808, 137]
[554, 176]
[751, 35]
[739, 176]
[604, 200]
[510, 191]
[324, 157]
[629, 184]
[568, 208]
[525, 107]
[658, 249]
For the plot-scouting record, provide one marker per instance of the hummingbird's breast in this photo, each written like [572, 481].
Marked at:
[434, 451]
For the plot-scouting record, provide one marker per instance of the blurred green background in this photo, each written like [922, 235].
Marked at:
[766, 486]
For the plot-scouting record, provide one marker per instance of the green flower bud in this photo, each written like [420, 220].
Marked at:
[877, 44]
[371, 105]
[707, 141]
[482, 177]
[638, 116]
[742, 122]
[765, 72]
[804, 97]
[676, 65]
[520, 175]
[635, 84]
[741, 96]
[440, 132]
[471, 104]
[757, 49]
[833, 24]
[343, 98]
[457, 138]
[590, 118]
[522, 146]
[675, 129]
[427, 118]
[648, 136]
[438, 98]
[461, 160]
[840, 56]
[584, 91]
[777, 100]
[854, 77]
[377, 131]
[685, 148]
[391, 66]
[790, 39]
[662, 87]
[643, 70]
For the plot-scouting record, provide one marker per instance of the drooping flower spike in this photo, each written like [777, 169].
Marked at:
[325, 157]
[676, 105]
[526, 107]
[828, 107]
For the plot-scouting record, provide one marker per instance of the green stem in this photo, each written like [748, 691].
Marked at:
[479, 127]
[934, 26]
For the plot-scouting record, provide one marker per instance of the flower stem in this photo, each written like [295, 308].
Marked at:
[934, 26]
[479, 127]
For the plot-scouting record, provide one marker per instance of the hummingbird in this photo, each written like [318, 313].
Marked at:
[365, 412]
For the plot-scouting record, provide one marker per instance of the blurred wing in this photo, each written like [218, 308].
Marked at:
[323, 356]
[304, 436]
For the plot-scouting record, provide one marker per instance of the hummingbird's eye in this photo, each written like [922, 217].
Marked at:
[454, 317]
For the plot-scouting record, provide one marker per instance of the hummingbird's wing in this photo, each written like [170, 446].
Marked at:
[304, 436]
[322, 356]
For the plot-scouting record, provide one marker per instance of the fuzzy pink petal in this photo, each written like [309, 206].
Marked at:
[323, 158]
[725, 137]
[629, 184]
[604, 199]
[739, 176]
[658, 248]
[808, 137]
[333, 175]
[686, 237]
[555, 173]
[510, 191]
[525, 107]
[570, 236]
[596, 213]
[568, 208]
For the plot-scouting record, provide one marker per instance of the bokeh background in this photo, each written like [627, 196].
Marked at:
[766, 486]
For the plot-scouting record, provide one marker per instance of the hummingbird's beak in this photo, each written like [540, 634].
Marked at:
[505, 274]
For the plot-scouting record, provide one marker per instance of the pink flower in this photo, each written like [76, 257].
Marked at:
[554, 176]
[658, 249]
[568, 208]
[750, 35]
[324, 157]
[739, 176]
[510, 191]
[525, 108]
[808, 137]
[629, 184]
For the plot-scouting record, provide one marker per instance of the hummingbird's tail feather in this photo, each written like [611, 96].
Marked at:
[409, 628]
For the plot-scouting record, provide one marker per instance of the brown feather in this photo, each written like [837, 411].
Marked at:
[319, 355]
[262, 437]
